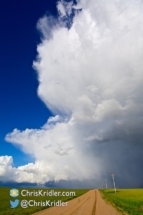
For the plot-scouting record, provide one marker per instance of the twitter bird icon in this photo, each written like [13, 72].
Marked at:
[14, 204]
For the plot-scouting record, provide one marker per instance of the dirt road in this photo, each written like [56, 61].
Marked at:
[91, 203]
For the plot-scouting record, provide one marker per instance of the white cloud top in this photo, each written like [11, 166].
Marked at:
[91, 77]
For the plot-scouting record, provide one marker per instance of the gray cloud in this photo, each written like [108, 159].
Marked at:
[91, 77]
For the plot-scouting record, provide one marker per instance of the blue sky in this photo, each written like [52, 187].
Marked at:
[20, 106]
[78, 115]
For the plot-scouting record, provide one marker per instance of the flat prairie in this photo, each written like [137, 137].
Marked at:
[5, 200]
[128, 200]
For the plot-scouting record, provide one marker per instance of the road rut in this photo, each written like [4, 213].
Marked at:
[90, 203]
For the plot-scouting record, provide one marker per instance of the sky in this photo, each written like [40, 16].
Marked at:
[20, 106]
[71, 82]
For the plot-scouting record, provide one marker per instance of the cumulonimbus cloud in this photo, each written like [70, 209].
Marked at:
[91, 77]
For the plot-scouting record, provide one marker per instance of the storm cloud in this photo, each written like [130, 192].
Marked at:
[91, 78]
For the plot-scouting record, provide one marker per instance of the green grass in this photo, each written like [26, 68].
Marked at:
[5, 200]
[128, 200]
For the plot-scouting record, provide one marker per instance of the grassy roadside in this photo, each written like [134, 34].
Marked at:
[128, 200]
[5, 200]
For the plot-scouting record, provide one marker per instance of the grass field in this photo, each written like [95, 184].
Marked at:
[129, 200]
[5, 200]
